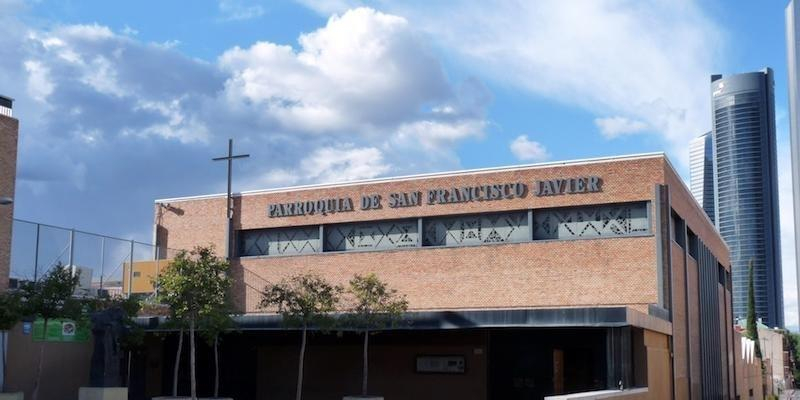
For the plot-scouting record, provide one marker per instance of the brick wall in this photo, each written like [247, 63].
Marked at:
[8, 170]
[586, 272]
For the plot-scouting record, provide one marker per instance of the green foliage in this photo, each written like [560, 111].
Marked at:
[194, 285]
[752, 326]
[216, 322]
[51, 296]
[373, 304]
[10, 310]
[303, 300]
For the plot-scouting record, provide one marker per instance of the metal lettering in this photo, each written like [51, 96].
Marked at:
[347, 205]
[580, 185]
[414, 198]
[520, 189]
[465, 193]
[594, 183]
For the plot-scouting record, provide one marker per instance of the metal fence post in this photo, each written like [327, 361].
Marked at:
[102, 259]
[71, 247]
[130, 273]
[36, 255]
[158, 269]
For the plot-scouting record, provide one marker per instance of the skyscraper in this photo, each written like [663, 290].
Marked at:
[792, 41]
[746, 188]
[701, 171]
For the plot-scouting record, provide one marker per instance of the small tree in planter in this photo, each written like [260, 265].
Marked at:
[193, 285]
[10, 315]
[50, 298]
[373, 306]
[303, 301]
[213, 324]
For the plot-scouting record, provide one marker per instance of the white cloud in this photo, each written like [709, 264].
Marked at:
[330, 164]
[613, 127]
[644, 61]
[360, 97]
[39, 84]
[364, 72]
[236, 10]
[528, 150]
[128, 31]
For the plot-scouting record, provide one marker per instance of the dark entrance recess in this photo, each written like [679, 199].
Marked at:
[531, 364]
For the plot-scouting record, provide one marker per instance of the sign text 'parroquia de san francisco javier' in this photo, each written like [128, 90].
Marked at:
[452, 195]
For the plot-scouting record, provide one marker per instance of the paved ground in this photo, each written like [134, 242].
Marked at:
[792, 394]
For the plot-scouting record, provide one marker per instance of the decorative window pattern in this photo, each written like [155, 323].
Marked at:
[477, 229]
[280, 241]
[383, 235]
[591, 221]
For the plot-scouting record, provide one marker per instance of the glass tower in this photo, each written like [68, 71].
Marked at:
[701, 172]
[746, 188]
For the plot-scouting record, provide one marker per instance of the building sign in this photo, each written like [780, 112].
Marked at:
[452, 195]
[59, 330]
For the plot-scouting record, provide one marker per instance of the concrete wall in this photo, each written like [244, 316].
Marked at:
[9, 128]
[773, 354]
[65, 366]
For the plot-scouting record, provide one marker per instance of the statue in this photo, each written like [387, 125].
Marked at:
[107, 329]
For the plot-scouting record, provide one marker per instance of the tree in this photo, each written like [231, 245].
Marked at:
[374, 306]
[10, 314]
[193, 285]
[212, 325]
[50, 298]
[303, 301]
[752, 325]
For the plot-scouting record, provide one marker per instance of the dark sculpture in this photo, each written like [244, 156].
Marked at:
[107, 329]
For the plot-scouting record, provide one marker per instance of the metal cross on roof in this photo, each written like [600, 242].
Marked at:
[230, 157]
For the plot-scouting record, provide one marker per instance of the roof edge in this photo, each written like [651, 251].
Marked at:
[443, 174]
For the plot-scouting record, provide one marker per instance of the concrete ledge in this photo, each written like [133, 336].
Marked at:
[189, 398]
[103, 393]
[12, 396]
[362, 397]
[602, 394]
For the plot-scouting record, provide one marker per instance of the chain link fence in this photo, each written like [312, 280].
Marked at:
[104, 262]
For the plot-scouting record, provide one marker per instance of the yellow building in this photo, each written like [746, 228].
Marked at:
[144, 272]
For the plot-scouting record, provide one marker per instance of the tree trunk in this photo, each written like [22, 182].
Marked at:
[216, 365]
[177, 365]
[299, 395]
[41, 361]
[191, 360]
[366, 364]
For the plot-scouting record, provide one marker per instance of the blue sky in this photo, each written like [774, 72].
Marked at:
[124, 102]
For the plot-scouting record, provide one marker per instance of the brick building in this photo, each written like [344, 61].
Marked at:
[523, 282]
[9, 128]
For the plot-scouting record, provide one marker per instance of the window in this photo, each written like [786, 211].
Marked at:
[380, 235]
[613, 220]
[477, 229]
[279, 241]
[136, 274]
[591, 221]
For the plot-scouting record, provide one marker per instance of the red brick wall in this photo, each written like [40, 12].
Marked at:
[544, 274]
[587, 272]
[8, 170]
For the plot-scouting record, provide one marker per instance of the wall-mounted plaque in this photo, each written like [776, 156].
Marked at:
[441, 364]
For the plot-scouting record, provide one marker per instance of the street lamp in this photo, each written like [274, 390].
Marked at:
[5, 201]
